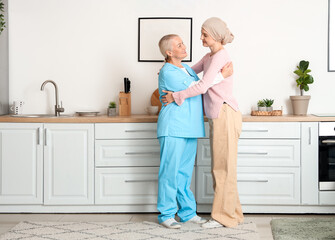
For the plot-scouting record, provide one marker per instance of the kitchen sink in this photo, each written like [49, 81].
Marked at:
[40, 116]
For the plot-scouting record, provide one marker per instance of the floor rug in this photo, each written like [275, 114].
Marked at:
[303, 228]
[125, 231]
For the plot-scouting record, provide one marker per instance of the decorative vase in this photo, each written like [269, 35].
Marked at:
[111, 111]
[300, 104]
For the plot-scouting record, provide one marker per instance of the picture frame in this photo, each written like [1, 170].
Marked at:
[331, 35]
[152, 29]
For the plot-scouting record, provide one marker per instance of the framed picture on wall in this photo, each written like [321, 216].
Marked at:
[151, 30]
[331, 35]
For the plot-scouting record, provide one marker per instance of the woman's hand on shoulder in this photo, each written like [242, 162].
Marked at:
[227, 70]
[168, 98]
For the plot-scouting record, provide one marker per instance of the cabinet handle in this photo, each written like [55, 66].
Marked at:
[310, 135]
[39, 136]
[255, 130]
[148, 180]
[328, 141]
[253, 153]
[141, 153]
[252, 180]
[46, 137]
[133, 131]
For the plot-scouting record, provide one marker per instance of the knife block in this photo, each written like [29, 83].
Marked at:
[124, 104]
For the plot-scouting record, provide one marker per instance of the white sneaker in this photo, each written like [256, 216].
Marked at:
[171, 223]
[212, 224]
[197, 219]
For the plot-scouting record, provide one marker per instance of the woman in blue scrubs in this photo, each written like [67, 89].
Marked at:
[178, 128]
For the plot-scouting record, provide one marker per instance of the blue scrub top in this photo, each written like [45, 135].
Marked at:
[187, 120]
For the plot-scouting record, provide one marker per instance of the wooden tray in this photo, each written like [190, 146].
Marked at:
[266, 113]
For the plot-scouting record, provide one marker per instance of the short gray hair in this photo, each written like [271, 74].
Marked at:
[165, 44]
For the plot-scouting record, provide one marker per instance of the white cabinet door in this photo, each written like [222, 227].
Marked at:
[275, 130]
[144, 152]
[256, 185]
[132, 185]
[69, 164]
[258, 152]
[21, 163]
[128, 185]
[309, 163]
[125, 130]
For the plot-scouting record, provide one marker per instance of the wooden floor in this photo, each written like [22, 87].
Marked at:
[7, 221]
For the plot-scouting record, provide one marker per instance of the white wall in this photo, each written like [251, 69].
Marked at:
[88, 46]
[4, 81]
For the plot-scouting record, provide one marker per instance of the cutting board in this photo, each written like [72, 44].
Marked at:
[155, 100]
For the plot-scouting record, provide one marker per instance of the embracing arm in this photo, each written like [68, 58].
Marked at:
[226, 72]
[205, 83]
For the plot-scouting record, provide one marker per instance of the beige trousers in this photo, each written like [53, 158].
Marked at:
[224, 134]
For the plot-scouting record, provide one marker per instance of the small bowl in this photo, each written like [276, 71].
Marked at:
[152, 110]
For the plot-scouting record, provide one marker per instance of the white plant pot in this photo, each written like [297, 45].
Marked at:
[269, 109]
[262, 109]
[111, 111]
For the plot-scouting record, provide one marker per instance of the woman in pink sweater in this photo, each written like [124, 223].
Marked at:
[225, 122]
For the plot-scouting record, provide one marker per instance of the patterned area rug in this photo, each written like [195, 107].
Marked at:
[303, 228]
[125, 230]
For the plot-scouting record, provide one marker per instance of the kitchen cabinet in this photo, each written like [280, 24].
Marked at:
[113, 167]
[127, 185]
[127, 152]
[62, 153]
[69, 164]
[260, 186]
[127, 165]
[21, 163]
[309, 163]
[268, 167]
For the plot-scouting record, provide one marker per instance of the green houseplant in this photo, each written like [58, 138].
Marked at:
[2, 17]
[261, 105]
[304, 78]
[111, 110]
[268, 104]
[300, 103]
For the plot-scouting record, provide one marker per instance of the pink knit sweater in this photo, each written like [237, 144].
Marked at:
[213, 97]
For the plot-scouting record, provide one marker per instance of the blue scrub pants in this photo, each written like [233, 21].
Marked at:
[177, 157]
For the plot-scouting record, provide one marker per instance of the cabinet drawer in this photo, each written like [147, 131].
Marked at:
[126, 185]
[144, 152]
[131, 185]
[270, 130]
[125, 130]
[257, 152]
[273, 186]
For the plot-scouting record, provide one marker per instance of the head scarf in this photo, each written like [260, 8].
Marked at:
[218, 30]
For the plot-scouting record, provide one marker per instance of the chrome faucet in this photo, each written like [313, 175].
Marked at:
[58, 108]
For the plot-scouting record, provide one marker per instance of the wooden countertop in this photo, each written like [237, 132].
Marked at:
[138, 118]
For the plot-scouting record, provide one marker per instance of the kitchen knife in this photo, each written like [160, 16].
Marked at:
[125, 84]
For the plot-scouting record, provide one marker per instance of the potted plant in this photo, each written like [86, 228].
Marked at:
[300, 103]
[111, 110]
[268, 104]
[261, 105]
